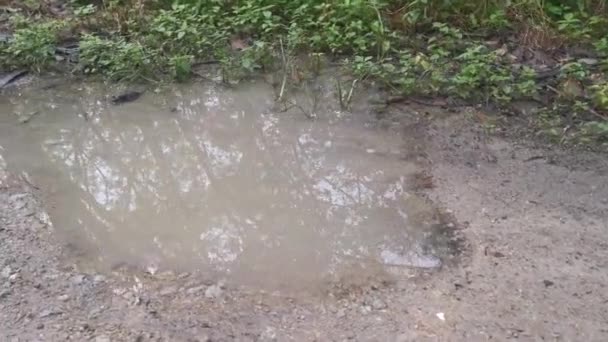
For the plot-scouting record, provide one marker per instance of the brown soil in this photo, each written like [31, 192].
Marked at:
[535, 221]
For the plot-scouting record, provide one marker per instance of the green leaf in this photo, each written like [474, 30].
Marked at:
[386, 45]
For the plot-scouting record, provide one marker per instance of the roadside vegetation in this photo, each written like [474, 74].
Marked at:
[553, 53]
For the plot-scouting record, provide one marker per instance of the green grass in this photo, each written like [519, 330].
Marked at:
[413, 47]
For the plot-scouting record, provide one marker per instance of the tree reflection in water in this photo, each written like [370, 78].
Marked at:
[223, 184]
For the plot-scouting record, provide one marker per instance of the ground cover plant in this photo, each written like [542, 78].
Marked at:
[489, 52]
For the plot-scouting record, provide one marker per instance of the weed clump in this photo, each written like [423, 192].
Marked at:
[32, 44]
[116, 58]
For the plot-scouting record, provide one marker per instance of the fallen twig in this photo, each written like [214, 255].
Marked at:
[284, 82]
[534, 158]
[399, 98]
[564, 132]
[350, 93]
[340, 98]
[23, 119]
[594, 112]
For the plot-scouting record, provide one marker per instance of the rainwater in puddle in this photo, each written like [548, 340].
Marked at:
[201, 178]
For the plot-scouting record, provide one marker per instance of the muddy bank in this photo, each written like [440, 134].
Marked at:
[534, 220]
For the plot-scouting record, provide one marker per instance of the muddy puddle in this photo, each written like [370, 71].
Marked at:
[201, 178]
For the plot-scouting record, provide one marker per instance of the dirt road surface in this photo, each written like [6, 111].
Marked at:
[533, 266]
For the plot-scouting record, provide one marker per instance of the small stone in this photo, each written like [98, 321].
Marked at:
[95, 312]
[48, 313]
[99, 278]
[213, 291]
[78, 279]
[341, 313]
[4, 293]
[365, 309]
[40, 326]
[63, 298]
[13, 277]
[51, 276]
[410, 259]
[195, 289]
[102, 338]
[378, 304]
[498, 255]
[6, 272]
[45, 219]
[269, 334]
[588, 61]
[548, 283]
[152, 269]
[168, 291]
